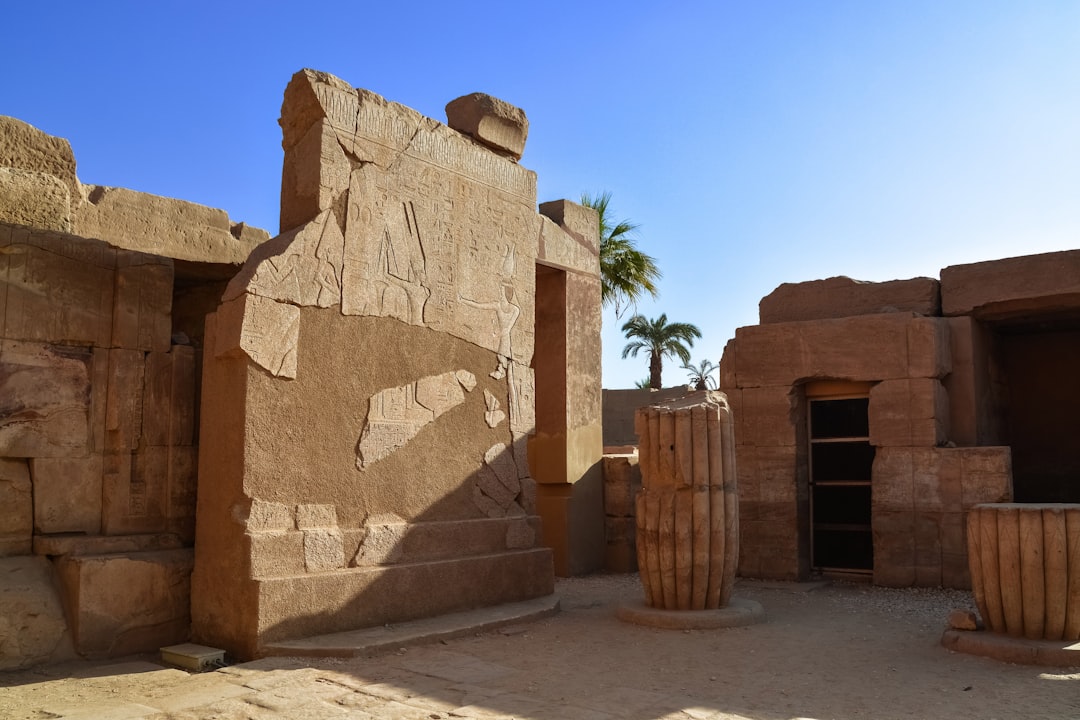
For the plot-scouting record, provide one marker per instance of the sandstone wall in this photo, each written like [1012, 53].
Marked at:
[930, 389]
[98, 437]
[370, 385]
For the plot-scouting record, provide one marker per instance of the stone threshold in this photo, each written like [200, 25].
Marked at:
[387, 638]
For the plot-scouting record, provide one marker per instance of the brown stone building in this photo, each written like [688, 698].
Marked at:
[206, 433]
[872, 416]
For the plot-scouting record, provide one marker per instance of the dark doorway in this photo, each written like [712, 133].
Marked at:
[841, 461]
[1041, 368]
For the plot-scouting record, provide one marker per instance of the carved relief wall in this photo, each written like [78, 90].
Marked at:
[373, 361]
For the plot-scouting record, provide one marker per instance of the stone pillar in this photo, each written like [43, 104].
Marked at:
[566, 448]
[1025, 568]
[687, 509]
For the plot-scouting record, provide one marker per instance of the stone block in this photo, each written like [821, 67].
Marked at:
[767, 416]
[773, 470]
[263, 330]
[16, 508]
[34, 199]
[276, 554]
[928, 544]
[861, 348]
[324, 549]
[893, 480]
[563, 249]
[909, 413]
[162, 226]
[31, 614]
[45, 391]
[142, 313]
[986, 475]
[316, 516]
[929, 349]
[263, 516]
[580, 222]
[67, 544]
[491, 121]
[124, 400]
[169, 397]
[123, 604]
[1029, 284]
[59, 288]
[24, 146]
[136, 492]
[315, 174]
[620, 555]
[183, 478]
[67, 494]
[622, 481]
[894, 547]
[838, 297]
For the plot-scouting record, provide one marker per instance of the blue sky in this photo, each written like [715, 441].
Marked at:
[755, 143]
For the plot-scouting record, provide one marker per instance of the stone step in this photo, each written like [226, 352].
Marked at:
[384, 638]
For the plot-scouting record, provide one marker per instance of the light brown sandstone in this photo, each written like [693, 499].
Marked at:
[31, 615]
[1013, 287]
[16, 507]
[35, 199]
[838, 297]
[25, 147]
[47, 390]
[492, 121]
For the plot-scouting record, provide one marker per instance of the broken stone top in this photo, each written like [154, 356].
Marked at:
[491, 121]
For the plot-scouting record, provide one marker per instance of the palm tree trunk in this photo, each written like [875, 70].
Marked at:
[656, 370]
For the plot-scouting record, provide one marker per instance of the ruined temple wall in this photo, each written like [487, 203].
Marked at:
[386, 343]
[98, 441]
[922, 374]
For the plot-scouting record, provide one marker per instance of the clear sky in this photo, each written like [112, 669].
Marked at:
[756, 142]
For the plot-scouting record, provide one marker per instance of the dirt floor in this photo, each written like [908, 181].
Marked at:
[825, 651]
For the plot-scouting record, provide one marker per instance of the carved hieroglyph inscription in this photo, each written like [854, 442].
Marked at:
[493, 416]
[396, 415]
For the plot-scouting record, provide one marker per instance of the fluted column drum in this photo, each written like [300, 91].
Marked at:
[1025, 568]
[687, 508]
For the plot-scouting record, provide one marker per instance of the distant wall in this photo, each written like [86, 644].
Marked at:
[619, 407]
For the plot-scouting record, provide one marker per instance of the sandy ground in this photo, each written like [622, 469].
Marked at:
[833, 651]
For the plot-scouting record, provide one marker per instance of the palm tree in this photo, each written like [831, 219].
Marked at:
[660, 338]
[626, 273]
[642, 384]
[701, 375]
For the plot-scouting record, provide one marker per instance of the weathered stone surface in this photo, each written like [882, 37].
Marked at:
[315, 516]
[123, 604]
[34, 199]
[59, 288]
[498, 484]
[162, 226]
[838, 297]
[44, 400]
[16, 507]
[1001, 289]
[169, 397]
[266, 516]
[124, 400]
[264, 330]
[68, 544]
[32, 627]
[622, 480]
[559, 248]
[324, 550]
[301, 267]
[396, 415]
[142, 302]
[909, 413]
[136, 492]
[494, 415]
[494, 122]
[67, 494]
[383, 543]
[862, 348]
[24, 146]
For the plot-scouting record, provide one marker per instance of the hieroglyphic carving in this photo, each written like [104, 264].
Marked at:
[265, 330]
[506, 313]
[302, 267]
[396, 415]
